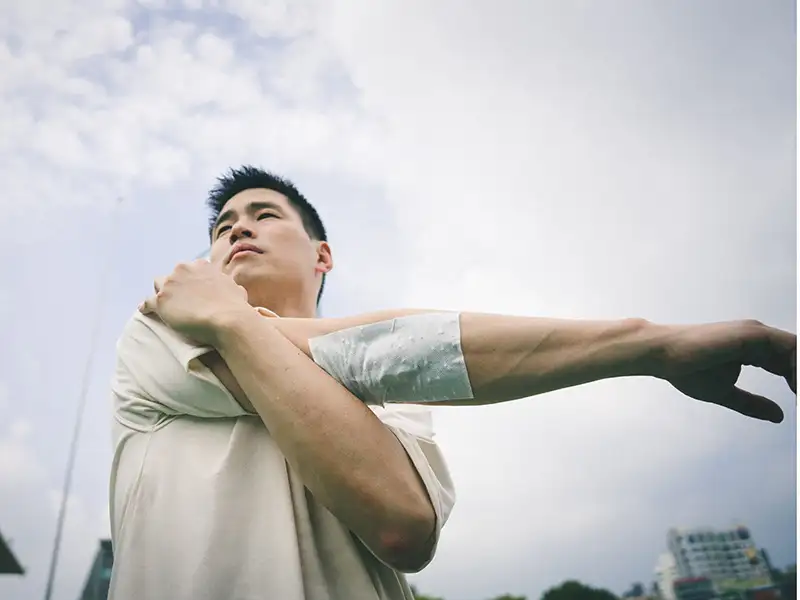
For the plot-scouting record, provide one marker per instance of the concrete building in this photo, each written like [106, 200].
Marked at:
[721, 555]
[666, 574]
[99, 578]
[694, 588]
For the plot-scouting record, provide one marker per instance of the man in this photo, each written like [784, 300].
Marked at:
[262, 457]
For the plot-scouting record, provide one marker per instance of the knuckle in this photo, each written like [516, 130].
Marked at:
[754, 330]
[753, 325]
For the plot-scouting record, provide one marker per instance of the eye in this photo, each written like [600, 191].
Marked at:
[266, 215]
[222, 230]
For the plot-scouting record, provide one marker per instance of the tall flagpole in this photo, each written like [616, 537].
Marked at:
[76, 431]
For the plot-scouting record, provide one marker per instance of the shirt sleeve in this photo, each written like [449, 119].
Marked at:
[159, 375]
[413, 427]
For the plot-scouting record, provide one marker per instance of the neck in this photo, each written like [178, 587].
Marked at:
[286, 306]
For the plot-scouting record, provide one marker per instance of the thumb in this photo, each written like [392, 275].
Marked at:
[752, 405]
[148, 306]
[265, 312]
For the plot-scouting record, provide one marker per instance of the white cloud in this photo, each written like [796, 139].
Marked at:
[532, 158]
[184, 100]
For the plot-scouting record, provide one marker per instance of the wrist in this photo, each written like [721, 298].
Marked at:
[227, 325]
[648, 348]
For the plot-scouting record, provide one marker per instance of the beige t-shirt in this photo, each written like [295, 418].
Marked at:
[203, 504]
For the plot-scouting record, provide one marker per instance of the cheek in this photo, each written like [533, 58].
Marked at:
[289, 245]
[217, 255]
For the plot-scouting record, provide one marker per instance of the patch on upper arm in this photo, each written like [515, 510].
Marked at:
[414, 359]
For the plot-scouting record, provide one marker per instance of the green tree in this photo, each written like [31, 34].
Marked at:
[510, 597]
[637, 590]
[575, 590]
[420, 596]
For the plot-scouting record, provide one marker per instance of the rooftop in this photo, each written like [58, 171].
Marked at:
[9, 565]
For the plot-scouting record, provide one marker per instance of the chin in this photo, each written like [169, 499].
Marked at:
[244, 277]
[251, 280]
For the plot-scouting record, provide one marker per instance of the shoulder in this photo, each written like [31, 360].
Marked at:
[149, 339]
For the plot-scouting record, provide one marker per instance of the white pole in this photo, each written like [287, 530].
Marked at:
[62, 511]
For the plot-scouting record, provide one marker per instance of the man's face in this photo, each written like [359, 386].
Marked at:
[260, 241]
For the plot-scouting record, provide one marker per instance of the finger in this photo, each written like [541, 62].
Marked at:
[752, 405]
[265, 312]
[774, 351]
[148, 306]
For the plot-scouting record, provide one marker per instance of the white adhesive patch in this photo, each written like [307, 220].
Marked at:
[410, 359]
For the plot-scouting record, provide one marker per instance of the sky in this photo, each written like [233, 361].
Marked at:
[570, 159]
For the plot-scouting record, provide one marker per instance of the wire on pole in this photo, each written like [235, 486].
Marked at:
[76, 431]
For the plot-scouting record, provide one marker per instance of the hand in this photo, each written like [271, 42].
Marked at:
[196, 299]
[705, 361]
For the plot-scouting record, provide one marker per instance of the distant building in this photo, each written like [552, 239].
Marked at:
[666, 574]
[727, 557]
[764, 557]
[769, 592]
[9, 565]
[788, 583]
[694, 588]
[99, 578]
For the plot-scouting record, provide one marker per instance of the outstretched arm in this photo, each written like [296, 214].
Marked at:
[510, 357]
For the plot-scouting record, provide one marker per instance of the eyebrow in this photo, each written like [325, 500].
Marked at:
[251, 208]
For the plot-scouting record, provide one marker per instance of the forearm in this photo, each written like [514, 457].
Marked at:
[349, 460]
[510, 357]
[515, 357]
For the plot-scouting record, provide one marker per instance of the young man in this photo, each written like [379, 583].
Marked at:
[261, 457]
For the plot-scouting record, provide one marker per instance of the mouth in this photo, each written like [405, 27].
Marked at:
[243, 250]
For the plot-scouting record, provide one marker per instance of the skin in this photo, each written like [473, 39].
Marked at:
[351, 463]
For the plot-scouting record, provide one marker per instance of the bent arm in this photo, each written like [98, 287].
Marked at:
[351, 462]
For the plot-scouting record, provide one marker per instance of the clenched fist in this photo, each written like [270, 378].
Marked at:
[196, 299]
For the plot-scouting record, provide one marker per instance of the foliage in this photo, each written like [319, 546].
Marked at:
[420, 596]
[569, 590]
[637, 590]
[575, 590]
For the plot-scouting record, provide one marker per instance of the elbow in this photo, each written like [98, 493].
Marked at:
[407, 545]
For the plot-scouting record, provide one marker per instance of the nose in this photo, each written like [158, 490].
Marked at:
[240, 230]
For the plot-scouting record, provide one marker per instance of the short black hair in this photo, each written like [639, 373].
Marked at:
[248, 177]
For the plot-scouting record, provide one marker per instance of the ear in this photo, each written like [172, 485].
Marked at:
[324, 258]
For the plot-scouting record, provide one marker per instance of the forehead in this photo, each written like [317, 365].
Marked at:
[242, 201]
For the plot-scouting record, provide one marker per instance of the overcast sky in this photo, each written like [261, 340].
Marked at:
[558, 158]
